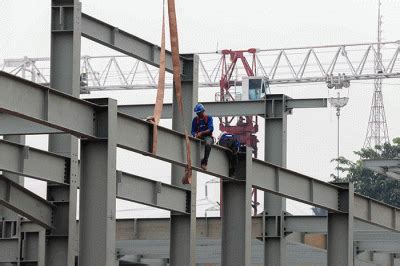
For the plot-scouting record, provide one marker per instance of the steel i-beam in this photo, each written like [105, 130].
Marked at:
[183, 227]
[236, 215]
[340, 229]
[98, 192]
[64, 77]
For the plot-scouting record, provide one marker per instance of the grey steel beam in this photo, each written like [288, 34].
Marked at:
[221, 109]
[295, 186]
[318, 224]
[183, 227]
[46, 106]
[26, 161]
[145, 110]
[306, 103]
[377, 236]
[387, 246]
[26, 203]
[124, 42]
[12, 125]
[388, 167]
[376, 212]
[65, 49]
[236, 215]
[15, 125]
[340, 229]
[135, 135]
[275, 147]
[152, 193]
[98, 193]
[306, 224]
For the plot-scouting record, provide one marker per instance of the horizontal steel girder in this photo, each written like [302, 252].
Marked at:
[15, 125]
[221, 109]
[152, 193]
[48, 107]
[27, 161]
[387, 246]
[124, 42]
[25, 203]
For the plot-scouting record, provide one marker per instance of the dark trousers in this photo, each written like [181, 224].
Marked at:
[208, 142]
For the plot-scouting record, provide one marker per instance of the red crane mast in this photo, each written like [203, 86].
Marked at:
[245, 127]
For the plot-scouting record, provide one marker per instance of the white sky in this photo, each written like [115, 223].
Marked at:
[233, 24]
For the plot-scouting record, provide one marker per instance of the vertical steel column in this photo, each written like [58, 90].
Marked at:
[275, 152]
[236, 215]
[340, 229]
[98, 191]
[183, 227]
[65, 77]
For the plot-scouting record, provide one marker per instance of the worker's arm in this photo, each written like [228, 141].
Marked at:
[210, 124]
[194, 127]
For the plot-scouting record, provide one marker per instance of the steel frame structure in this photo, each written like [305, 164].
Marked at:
[31, 108]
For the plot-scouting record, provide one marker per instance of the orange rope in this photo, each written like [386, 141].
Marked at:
[187, 179]
[160, 87]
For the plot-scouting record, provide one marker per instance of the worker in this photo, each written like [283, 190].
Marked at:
[232, 143]
[202, 128]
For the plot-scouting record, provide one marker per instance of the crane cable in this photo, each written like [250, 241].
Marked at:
[187, 178]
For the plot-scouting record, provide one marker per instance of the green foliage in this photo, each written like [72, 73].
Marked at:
[368, 183]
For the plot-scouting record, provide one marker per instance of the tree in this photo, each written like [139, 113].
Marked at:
[367, 182]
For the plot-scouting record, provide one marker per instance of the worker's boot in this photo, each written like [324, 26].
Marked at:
[204, 165]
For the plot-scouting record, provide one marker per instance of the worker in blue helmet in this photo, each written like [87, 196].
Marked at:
[202, 128]
[231, 142]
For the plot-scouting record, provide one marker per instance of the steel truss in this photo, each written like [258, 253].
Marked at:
[101, 128]
[329, 64]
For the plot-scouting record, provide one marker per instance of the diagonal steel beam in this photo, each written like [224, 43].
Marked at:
[46, 106]
[124, 42]
[25, 203]
[152, 193]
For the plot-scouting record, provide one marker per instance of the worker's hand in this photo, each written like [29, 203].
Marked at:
[198, 135]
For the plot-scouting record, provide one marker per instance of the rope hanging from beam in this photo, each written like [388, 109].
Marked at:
[177, 83]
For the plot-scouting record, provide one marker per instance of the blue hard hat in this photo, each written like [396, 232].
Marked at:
[199, 108]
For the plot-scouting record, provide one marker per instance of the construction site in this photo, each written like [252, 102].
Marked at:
[114, 151]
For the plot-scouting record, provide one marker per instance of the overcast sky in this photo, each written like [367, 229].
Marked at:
[234, 24]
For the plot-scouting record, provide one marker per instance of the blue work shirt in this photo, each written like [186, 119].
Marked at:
[235, 144]
[200, 125]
